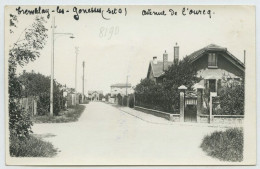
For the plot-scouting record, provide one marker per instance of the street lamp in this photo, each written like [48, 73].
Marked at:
[52, 60]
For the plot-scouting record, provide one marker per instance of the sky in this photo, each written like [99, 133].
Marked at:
[123, 46]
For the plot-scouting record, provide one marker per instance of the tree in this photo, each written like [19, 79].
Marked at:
[24, 50]
[183, 73]
[101, 96]
[165, 96]
[37, 85]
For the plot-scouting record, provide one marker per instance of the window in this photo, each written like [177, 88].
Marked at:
[212, 60]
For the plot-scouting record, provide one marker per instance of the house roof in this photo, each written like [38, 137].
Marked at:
[95, 91]
[157, 68]
[212, 47]
[121, 85]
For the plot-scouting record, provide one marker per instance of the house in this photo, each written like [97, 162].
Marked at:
[94, 95]
[157, 68]
[121, 88]
[70, 95]
[212, 63]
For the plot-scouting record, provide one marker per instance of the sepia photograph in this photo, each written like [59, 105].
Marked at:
[130, 85]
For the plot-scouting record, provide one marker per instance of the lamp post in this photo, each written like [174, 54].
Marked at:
[76, 68]
[83, 95]
[52, 60]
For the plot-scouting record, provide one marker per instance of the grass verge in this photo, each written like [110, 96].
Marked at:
[71, 115]
[31, 147]
[225, 145]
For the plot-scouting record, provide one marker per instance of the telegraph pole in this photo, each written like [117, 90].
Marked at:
[126, 85]
[52, 65]
[83, 65]
[76, 66]
[127, 103]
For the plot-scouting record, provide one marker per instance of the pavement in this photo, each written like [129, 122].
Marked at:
[107, 135]
[159, 120]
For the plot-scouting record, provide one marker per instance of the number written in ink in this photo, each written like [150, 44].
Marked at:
[108, 32]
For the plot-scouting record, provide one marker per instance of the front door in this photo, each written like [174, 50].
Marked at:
[212, 85]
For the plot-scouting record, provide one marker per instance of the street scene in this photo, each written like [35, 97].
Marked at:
[130, 85]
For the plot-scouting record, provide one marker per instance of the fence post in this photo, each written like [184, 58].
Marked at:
[127, 101]
[35, 107]
[212, 94]
[199, 101]
[134, 99]
[27, 104]
[182, 101]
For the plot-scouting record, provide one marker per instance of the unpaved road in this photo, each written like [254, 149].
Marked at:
[107, 135]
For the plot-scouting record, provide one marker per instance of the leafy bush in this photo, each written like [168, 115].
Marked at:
[154, 96]
[131, 101]
[125, 101]
[19, 120]
[31, 147]
[232, 99]
[225, 145]
[119, 99]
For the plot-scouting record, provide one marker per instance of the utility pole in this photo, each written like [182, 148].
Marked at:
[127, 103]
[52, 65]
[83, 65]
[244, 57]
[126, 85]
[76, 66]
[53, 33]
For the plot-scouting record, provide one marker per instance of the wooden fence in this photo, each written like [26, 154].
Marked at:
[30, 105]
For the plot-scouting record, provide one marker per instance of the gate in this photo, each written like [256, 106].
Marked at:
[190, 108]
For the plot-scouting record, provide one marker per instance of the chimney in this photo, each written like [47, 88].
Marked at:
[176, 54]
[155, 60]
[165, 60]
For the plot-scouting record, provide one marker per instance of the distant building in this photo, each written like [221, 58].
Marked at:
[94, 95]
[121, 88]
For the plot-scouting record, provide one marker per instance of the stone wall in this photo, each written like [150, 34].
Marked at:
[204, 119]
[167, 116]
[223, 119]
[228, 119]
[217, 119]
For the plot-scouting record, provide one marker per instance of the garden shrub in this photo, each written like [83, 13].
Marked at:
[31, 147]
[131, 101]
[19, 120]
[119, 99]
[225, 145]
[232, 99]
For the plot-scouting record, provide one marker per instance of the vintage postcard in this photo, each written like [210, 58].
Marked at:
[130, 85]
